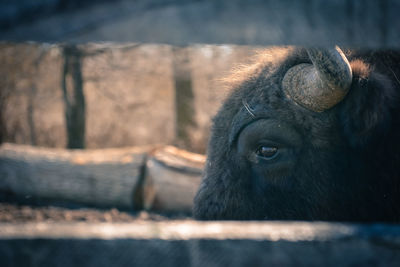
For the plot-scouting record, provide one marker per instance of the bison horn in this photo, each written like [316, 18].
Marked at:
[321, 85]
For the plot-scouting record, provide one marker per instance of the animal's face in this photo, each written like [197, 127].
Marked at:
[271, 157]
[288, 162]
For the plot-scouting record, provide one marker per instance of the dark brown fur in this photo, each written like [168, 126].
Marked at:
[346, 166]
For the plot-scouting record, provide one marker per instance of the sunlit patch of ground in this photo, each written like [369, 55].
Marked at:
[24, 213]
[18, 210]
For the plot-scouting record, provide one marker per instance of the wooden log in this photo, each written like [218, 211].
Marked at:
[103, 177]
[190, 243]
[172, 179]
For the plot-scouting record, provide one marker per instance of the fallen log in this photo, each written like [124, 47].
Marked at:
[172, 177]
[102, 177]
[163, 179]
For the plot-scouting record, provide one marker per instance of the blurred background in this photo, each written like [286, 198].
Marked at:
[113, 94]
[98, 74]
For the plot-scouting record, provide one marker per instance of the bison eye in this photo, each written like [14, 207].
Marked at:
[267, 152]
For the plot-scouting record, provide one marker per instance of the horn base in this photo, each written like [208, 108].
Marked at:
[321, 85]
[301, 84]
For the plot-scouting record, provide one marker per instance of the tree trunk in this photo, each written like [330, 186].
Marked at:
[72, 86]
[184, 97]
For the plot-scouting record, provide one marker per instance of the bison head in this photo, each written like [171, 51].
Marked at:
[306, 135]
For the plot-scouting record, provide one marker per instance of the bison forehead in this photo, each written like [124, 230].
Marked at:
[320, 129]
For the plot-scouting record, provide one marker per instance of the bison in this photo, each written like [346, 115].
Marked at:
[307, 134]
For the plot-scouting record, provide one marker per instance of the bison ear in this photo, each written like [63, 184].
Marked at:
[365, 113]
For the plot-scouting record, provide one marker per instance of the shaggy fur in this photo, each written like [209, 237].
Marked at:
[347, 165]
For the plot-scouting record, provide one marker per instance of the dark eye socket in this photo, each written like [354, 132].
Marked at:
[267, 152]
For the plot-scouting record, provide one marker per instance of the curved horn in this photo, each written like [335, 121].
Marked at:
[321, 85]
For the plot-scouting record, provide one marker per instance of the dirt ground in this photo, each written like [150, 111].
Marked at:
[17, 210]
